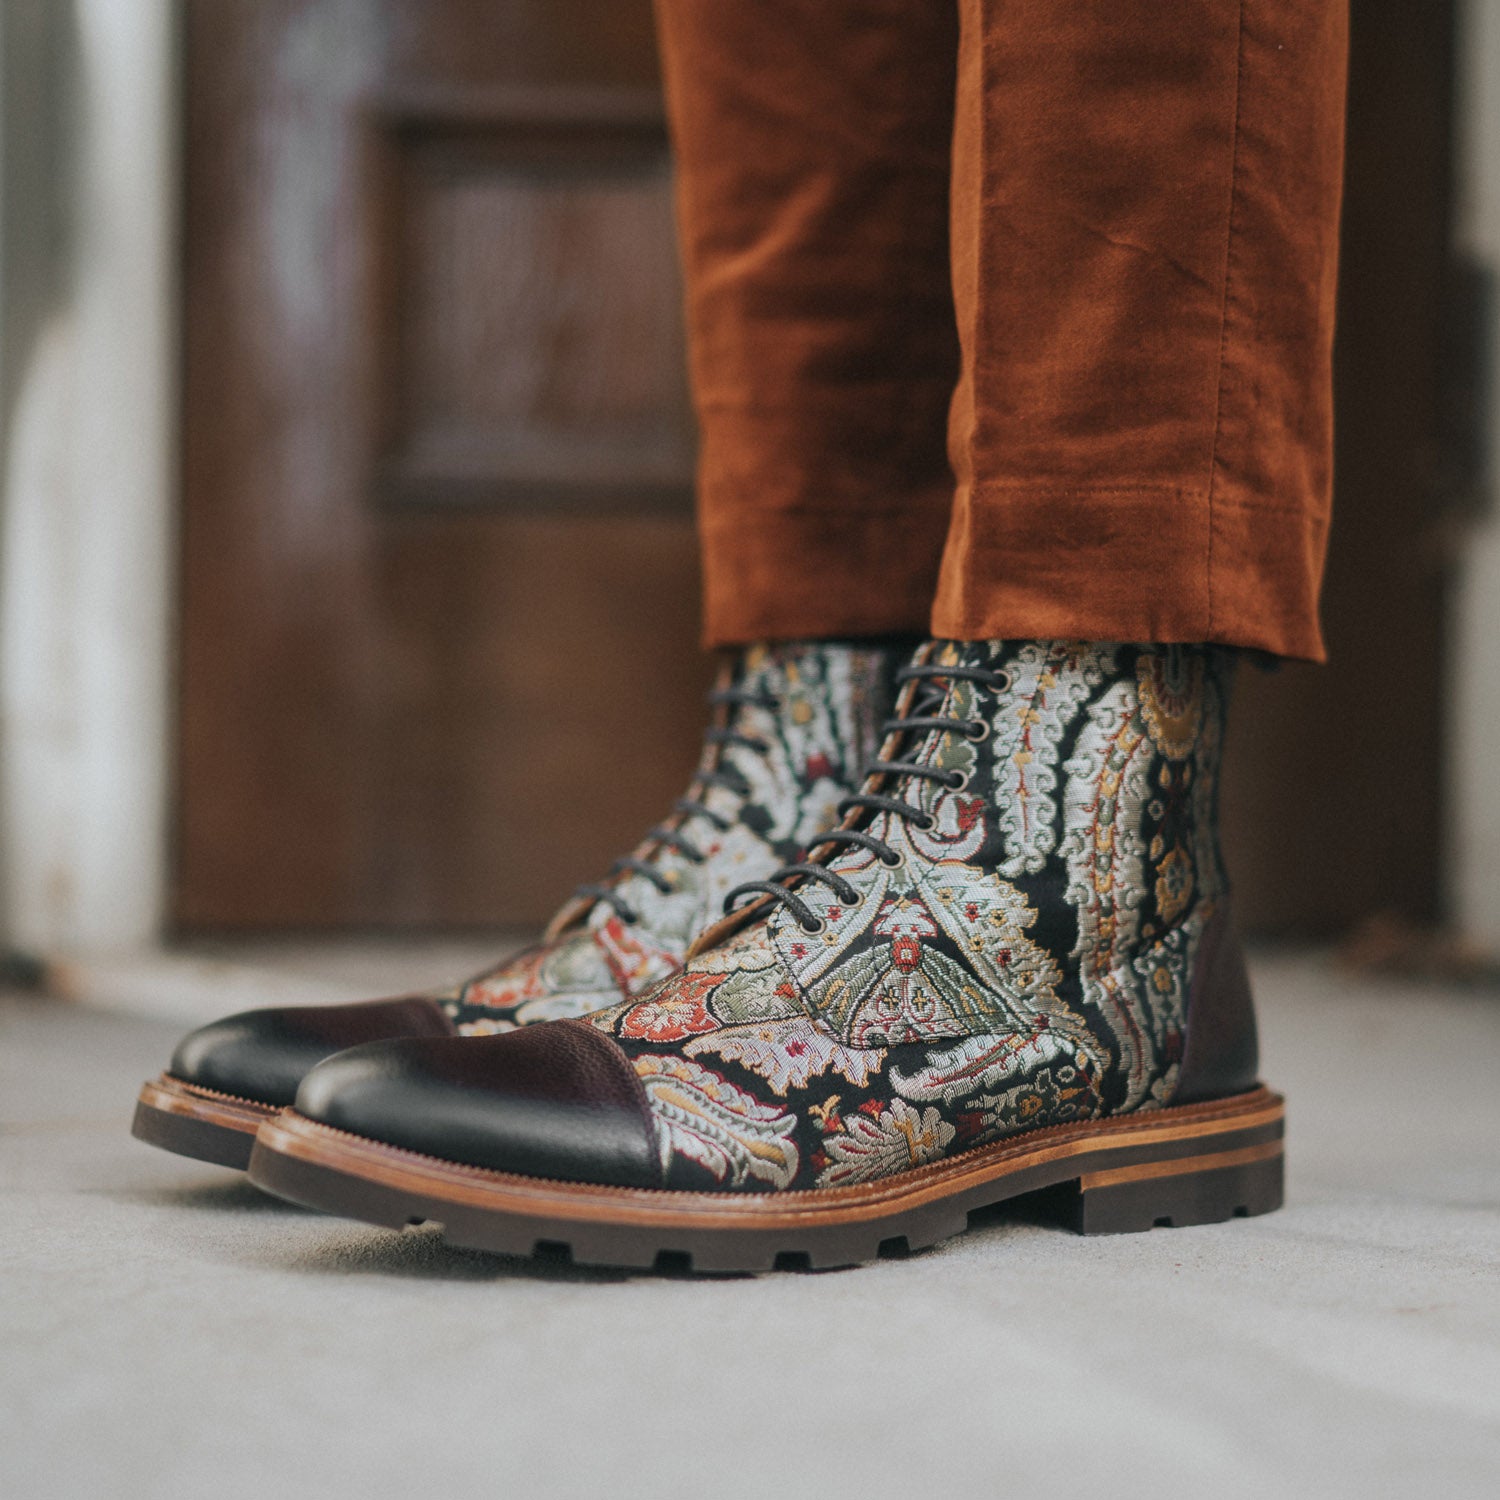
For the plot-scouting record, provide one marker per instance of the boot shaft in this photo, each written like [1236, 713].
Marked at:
[1040, 864]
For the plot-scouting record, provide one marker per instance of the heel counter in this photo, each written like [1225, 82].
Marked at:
[1221, 1054]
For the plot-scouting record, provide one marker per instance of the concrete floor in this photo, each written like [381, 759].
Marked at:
[166, 1331]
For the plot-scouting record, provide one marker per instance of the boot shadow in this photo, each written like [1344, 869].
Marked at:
[229, 1194]
[421, 1253]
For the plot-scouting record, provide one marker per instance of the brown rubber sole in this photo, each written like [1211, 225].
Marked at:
[197, 1122]
[1197, 1164]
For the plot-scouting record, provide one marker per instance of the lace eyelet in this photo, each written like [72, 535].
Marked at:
[977, 730]
[893, 864]
[957, 781]
[817, 928]
[926, 823]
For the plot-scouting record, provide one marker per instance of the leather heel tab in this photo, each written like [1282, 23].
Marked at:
[1221, 1054]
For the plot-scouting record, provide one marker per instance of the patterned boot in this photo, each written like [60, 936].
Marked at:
[1012, 967]
[793, 725]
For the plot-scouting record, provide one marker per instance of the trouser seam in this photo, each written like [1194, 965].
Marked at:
[1234, 196]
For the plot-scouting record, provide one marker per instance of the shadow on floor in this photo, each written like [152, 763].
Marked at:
[422, 1253]
[225, 1195]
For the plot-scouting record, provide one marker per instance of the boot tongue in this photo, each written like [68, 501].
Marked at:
[933, 697]
[923, 697]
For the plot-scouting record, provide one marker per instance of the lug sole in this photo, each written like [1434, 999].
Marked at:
[191, 1121]
[1197, 1164]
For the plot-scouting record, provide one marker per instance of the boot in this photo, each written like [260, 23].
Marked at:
[792, 727]
[1012, 967]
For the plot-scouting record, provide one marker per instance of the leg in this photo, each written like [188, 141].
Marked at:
[812, 144]
[1145, 220]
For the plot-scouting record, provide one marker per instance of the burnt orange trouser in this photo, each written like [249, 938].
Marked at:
[1011, 317]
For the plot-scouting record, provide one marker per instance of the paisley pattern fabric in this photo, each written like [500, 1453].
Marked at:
[803, 720]
[1017, 951]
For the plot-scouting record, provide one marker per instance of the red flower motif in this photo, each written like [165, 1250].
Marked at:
[818, 768]
[971, 911]
[906, 953]
[872, 1108]
[673, 1011]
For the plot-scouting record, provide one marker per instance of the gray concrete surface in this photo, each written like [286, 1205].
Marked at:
[166, 1331]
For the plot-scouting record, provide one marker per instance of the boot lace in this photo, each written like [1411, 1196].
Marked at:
[923, 718]
[669, 835]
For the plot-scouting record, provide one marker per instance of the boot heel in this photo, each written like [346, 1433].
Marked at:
[1197, 1190]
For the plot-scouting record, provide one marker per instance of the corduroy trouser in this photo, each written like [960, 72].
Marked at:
[1011, 317]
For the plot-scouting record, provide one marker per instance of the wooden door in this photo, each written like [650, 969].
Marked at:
[440, 597]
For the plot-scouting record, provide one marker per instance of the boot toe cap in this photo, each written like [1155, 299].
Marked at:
[557, 1100]
[265, 1054]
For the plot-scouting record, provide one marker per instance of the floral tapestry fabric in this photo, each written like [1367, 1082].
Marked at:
[796, 724]
[1004, 942]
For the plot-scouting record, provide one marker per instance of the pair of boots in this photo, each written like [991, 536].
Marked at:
[1004, 962]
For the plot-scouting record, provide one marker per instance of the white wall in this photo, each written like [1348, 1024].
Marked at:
[87, 463]
[1474, 765]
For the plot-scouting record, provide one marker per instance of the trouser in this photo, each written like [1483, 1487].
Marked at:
[1011, 318]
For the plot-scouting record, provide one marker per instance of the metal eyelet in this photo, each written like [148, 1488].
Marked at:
[977, 730]
[957, 781]
[893, 864]
[926, 823]
[820, 926]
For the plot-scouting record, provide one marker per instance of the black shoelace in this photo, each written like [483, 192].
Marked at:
[927, 699]
[669, 835]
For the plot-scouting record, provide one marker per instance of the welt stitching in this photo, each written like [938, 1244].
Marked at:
[1142, 1120]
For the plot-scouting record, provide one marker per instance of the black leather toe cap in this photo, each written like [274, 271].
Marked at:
[555, 1100]
[265, 1054]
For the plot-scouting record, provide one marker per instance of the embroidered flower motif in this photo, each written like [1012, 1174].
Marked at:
[675, 1010]
[1050, 1097]
[1171, 696]
[1174, 884]
[878, 1142]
